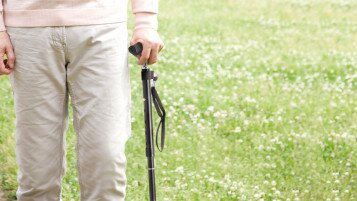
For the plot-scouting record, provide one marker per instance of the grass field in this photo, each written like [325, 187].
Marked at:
[261, 98]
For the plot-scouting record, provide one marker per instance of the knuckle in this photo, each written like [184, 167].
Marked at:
[11, 57]
[10, 49]
[153, 59]
[154, 44]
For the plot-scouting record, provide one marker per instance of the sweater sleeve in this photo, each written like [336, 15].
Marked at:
[145, 12]
[2, 25]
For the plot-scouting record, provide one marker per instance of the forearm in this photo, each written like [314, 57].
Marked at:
[145, 12]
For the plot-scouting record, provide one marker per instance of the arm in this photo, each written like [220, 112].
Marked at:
[145, 12]
[145, 29]
[6, 66]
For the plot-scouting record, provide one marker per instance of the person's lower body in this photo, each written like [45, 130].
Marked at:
[89, 64]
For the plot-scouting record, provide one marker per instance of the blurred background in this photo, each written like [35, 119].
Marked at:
[260, 99]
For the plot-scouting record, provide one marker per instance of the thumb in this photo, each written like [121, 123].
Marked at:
[136, 40]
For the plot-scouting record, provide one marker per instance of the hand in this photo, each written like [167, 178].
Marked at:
[152, 44]
[6, 66]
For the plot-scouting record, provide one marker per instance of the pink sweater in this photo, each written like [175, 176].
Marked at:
[33, 13]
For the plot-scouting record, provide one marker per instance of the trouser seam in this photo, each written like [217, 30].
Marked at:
[65, 47]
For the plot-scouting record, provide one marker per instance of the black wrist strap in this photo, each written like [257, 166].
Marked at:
[161, 112]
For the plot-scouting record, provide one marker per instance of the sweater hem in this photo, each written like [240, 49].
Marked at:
[63, 17]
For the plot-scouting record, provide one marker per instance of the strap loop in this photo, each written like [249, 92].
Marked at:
[161, 112]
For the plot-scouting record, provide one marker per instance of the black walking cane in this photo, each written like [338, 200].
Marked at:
[148, 78]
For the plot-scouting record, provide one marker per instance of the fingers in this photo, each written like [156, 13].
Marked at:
[4, 69]
[153, 54]
[152, 45]
[149, 54]
[145, 55]
[7, 65]
[133, 41]
[10, 56]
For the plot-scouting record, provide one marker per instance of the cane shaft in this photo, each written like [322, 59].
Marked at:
[149, 132]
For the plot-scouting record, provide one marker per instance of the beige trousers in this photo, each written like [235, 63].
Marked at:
[90, 64]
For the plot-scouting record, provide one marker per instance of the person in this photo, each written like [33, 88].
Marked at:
[76, 48]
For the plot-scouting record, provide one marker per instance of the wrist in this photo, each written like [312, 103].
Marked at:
[146, 20]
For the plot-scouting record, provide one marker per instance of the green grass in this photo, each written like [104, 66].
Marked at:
[261, 104]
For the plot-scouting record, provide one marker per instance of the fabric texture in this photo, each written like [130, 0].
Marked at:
[34, 13]
[89, 64]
